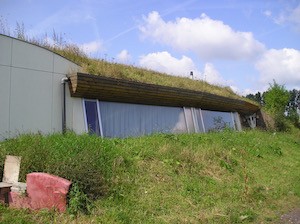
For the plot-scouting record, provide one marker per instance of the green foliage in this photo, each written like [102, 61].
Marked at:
[294, 117]
[221, 177]
[277, 105]
[78, 201]
[256, 97]
[67, 156]
[276, 98]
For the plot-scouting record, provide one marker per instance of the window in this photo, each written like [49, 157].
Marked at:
[112, 119]
[124, 119]
[92, 117]
[216, 120]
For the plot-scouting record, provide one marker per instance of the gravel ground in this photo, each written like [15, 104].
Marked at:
[292, 217]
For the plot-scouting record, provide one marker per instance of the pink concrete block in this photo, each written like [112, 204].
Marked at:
[47, 191]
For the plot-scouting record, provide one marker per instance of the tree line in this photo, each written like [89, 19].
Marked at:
[283, 104]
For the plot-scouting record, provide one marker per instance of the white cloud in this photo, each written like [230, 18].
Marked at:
[282, 65]
[211, 75]
[268, 13]
[124, 56]
[294, 17]
[91, 47]
[235, 89]
[208, 38]
[248, 91]
[289, 16]
[164, 62]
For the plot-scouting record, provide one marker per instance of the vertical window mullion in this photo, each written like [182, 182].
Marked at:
[99, 118]
[85, 117]
[186, 122]
[233, 121]
[194, 117]
[202, 120]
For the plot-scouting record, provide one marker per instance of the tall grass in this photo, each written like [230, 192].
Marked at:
[227, 177]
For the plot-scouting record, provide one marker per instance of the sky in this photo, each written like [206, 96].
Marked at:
[237, 43]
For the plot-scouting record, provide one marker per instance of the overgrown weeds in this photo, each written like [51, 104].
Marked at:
[225, 177]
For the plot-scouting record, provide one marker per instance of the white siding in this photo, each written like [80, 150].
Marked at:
[31, 57]
[4, 100]
[57, 102]
[6, 48]
[78, 117]
[63, 66]
[31, 96]
[31, 99]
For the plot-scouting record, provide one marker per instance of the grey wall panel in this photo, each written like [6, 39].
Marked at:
[4, 101]
[69, 110]
[237, 121]
[78, 118]
[74, 113]
[25, 55]
[64, 66]
[57, 102]
[5, 46]
[31, 90]
[31, 97]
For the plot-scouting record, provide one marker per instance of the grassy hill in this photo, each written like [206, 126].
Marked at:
[226, 177]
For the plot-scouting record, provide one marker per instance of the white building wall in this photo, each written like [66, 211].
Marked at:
[78, 125]
[31, 95]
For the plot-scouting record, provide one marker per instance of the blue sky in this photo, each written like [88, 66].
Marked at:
[241, 44]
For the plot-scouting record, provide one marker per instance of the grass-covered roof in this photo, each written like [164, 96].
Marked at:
[104, 68]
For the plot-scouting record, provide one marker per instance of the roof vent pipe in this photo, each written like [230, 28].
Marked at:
[192, 75]
[64, 123]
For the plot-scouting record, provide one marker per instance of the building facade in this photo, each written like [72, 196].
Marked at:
[43, 92]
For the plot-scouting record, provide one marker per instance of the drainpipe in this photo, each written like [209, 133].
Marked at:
[64, 123]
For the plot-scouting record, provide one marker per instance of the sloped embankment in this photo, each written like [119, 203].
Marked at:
[223, 177]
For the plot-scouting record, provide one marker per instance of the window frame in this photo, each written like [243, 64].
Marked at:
[98, 114]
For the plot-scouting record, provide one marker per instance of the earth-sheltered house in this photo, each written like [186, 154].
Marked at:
[43, 92]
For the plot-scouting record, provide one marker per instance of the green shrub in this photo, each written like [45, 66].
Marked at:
[67, 156]
[78, 201]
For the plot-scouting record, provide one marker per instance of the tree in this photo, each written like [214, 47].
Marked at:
[257, 97]
[276, 99]
[294, 101]
[293, 107]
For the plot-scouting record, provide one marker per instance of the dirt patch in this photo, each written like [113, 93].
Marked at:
[292, 217]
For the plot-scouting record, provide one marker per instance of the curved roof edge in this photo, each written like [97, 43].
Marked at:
[37, 45]
[119, 90]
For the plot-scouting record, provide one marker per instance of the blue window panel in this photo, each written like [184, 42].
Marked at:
[216, 120]
[92, 118]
